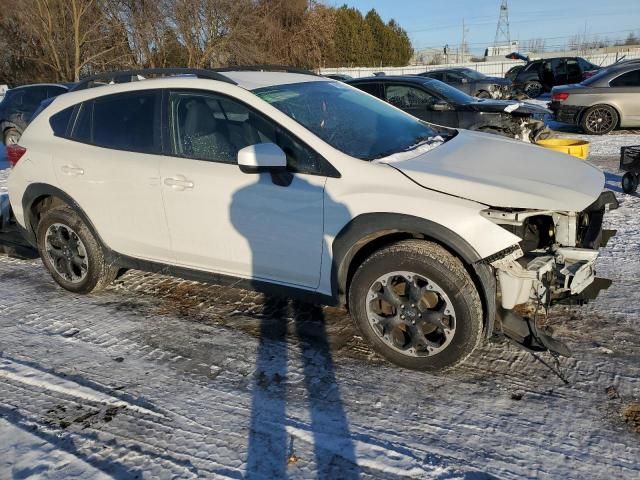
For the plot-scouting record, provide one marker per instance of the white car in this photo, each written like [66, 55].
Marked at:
[302, 185]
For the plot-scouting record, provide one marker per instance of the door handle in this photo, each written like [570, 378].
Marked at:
[179, 183]
[71, 170]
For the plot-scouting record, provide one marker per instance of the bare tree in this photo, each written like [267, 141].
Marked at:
[70, 36]
[213, 31]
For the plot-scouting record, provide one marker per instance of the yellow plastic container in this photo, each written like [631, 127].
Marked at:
[572, 146]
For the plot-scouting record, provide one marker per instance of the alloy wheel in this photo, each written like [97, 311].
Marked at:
[533, 90]
[411, 314]
[66, 252]
[599, 120]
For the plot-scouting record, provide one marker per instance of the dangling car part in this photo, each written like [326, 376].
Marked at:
[554, 263]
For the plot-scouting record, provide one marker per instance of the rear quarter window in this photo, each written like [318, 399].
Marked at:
[60, 122]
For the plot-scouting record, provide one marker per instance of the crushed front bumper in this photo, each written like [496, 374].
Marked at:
[561, 273]
[545, 279]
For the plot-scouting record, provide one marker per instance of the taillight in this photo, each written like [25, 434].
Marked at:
[15, 153]
[559, 97]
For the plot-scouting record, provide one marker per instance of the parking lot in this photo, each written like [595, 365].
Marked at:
[179, 379]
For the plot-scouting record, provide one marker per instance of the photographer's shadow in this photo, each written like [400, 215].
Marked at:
[271, 447]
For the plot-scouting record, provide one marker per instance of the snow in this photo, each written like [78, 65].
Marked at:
[413, 152]
[158, 377]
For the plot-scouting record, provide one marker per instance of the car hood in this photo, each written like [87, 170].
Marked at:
[500, 172]
[500, 105]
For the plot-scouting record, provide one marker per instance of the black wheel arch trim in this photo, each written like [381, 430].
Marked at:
[36, 191]
[369, 227]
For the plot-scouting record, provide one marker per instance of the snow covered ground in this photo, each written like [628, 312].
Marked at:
[163, 378]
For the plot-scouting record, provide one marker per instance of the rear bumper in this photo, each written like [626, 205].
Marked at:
[566, 113]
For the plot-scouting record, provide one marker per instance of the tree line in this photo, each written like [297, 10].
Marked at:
[63, 40]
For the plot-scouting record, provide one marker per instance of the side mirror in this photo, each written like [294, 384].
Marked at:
[266, 157]
[262, 157]
[440, 106]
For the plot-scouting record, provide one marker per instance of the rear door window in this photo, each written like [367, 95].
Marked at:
[33, 96]
[406, 97]
[126, 121]
[371, 88]
[629, 79]
[54, 91]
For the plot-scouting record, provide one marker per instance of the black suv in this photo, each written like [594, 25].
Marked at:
[20, 104]
[439, 103]
[540, 76]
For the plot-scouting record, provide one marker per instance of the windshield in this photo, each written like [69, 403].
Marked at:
[449, 93]
[472, 74]
[347, 119]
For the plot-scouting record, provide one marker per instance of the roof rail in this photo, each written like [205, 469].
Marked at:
[265, 68]
[124, 76]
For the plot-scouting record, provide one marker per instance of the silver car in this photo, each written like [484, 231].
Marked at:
[608, 100]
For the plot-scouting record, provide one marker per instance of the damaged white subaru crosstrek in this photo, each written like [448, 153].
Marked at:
[292, 183]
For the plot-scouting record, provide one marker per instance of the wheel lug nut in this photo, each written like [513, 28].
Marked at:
[402, 317]
[413, 306]
[402, 307]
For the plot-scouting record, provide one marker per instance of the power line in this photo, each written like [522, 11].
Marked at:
[541, 15]
[529, 39]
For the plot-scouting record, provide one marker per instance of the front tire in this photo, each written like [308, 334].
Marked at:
[599, 120]
[71, 253]
[483, 94]
[417, 306]
[533, 89]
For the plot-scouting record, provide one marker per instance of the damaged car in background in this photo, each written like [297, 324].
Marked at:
[472, 82]
[436, 102]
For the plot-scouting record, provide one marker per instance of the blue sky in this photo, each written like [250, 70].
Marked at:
[434, 23]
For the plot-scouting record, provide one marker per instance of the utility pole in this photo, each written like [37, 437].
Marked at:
[462, 46]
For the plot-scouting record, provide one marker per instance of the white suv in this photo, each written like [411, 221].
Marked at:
[290, 182]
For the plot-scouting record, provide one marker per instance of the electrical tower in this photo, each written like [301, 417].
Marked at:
[502, 32]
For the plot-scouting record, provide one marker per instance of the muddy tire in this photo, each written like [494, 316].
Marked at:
[533, 89]
[71, 253]
[483, 94]
[629, 182]
[417, 306]
[11, 136]
[599, 120]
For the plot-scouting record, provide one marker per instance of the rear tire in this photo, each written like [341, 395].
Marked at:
[417, 306]
[599, 120]
[629, 182]
[11, 136]
[71, 253]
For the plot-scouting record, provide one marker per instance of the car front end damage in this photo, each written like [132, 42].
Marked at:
[553, 264]
[500, 91]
